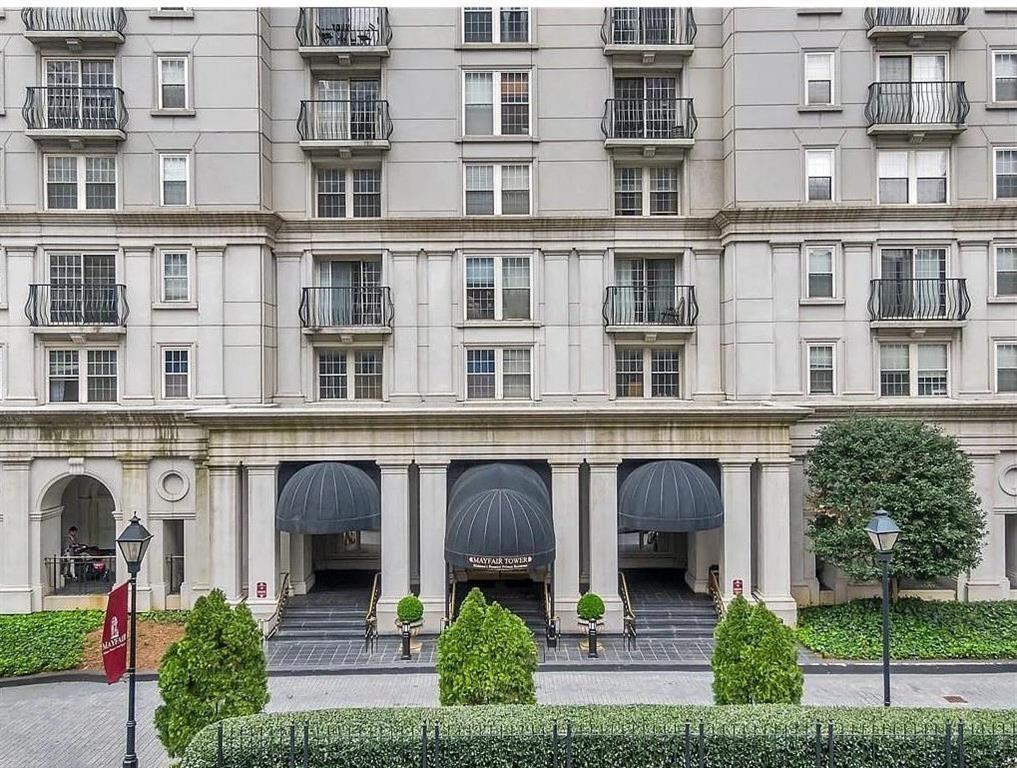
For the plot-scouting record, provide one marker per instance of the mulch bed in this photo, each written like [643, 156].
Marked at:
[153, 640]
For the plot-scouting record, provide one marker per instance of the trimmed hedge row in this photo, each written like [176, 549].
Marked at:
[760, 736]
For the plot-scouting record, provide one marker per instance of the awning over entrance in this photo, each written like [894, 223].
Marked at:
[499, 517]
[329, 497]
[669, 496]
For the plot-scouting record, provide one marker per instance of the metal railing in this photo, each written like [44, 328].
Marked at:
[81, 574]
[174, 573]
[919, 299]
[915, 17]
[917, 103]
[347, 306]
[77, 304]
[75, 108]
[628, 612]
[450, 606]
[660, 119]
[348, 120]
[716, 593]
[343, 27]
[650, 305]
[371, 617]
[648, 26]
[74, 19]
[272, 621]
[552, 624]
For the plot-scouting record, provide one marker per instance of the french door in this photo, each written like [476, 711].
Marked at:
[646, 107]
[82, 289]
[352, 297]
[79, 94]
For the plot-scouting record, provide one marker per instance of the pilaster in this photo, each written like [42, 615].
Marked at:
[135, 502]
[395, 542]
[565, 508]
[16, 552]
[774, 539]
[709, 379]
[225, 529]
[263, 549]
[433, 572]
[736, 563]
[988, 580]
[604, 542]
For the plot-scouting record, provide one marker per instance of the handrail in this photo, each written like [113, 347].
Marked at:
[347, 120]
[942, 102]
[628, 612]
[74, 19]
[650, 305]
[77, 304]
[280, 604]
[649, 119]
[346, 306]
[75, 108]
[713, 587]
[450, 606]
[919, 299]
[915, 17]
[371, 617]
[648, 26]
[362, 27]
[552, 624]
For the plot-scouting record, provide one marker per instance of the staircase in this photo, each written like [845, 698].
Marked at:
[667, 609]
[333, 611]
[522, 597]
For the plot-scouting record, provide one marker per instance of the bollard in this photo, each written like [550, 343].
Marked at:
[592, 634]
[406, 643]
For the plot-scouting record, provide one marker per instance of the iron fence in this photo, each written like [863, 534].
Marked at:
[81, 108]
[344, 120]
[648, 26]
[919, 299]
[913, 103]
[670, 118]
[915, 17]
[174, 565]
[74, 19]
[650, 305]
[343, 27]
[77, 304]
[347, 306]
[81, 574]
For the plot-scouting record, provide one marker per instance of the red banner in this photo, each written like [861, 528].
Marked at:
[114, 634]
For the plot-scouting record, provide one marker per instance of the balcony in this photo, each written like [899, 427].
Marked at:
[917, 108]
[346, 310]
[918, 303]
[343, 34]
[913, 25]
[646, 34]
[75, 113]
[77, 308]
[74, 27]
[348, 126]
[650, 310]
[649, 125]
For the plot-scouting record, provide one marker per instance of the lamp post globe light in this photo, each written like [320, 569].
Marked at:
[883, 533]
[133, 543]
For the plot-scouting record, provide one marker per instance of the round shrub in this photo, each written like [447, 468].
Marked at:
[590, 607]
[410, 610]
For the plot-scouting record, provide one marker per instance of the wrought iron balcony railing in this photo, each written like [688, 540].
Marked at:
[650, 305]
[919, 299]
[351, 120]
[112, 20]
[75, 108]
[648, 26]
[346, 307]
[917, 103]
[343, 28]
[654, 119]
[915, 17]
[77, 304]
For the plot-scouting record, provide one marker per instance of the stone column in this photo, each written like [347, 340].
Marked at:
[556, 326]
[775, 541]
[21, 343]
[438, 338]
[804, 584]
[592, 274]
[225, 530]
[857, 270]
[135, 502]
[604, 542]
[565, 507]
[787, 376]
[988, 581]
[197, 539]
[402, 277]
[289, 337]
[433, 571]
[263, 549]
[16, 553]
[703, 551]
[973, 376]
[395, 542]
[736, 563]
[709, 385]
[209, 282]
[138, 347]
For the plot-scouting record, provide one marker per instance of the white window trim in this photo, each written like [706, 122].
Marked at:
[496, 75]
[913, 370]
[996, 344]
[806, 271]
[646, 189]
[993, 52]
[80, 181]
[996, 296]
[647, 350]
[496, 26]
[809, 345]
[162, 180]
[350, 353]
[189, 302]
[83, 373]
[189, 349]
[347, 191]
[498, 285]
[832, 55]
[497, 166]
[832, 151]
[995, 187]
[187, 81]
[499, 372]
[947, 274]
[912, 177]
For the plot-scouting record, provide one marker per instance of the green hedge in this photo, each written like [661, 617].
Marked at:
[607, 737]
[919, 630]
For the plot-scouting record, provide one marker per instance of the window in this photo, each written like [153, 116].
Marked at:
[99, 372]
[919, 368]
[649, 191]
[1004, 75]
[819, 174]
[819, 79]
[176, 373]
[913, 177]
[498, 288]
[1006, 366]
[173, 82]
[174, 173]
[81, 183]
[176, 282]
[932, 370]
[821, 376]
[341, 192]
[63, 376]
[335, 382]
[820, 274]
[507, 115]
[479, 25]
[497, 190]
[631, 364]
[498, 374]
[1006, 270]
[1005, 173]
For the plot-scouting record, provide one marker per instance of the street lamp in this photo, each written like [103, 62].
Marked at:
[883, 533]
[133, 543]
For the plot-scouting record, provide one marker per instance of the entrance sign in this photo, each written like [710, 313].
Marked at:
[736, 586]
[261, 589]
[500, 562]
[114, 634]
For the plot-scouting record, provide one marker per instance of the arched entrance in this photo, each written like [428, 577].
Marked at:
[79, 537]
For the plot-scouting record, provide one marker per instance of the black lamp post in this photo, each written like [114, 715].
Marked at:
[133, 543]
[883, 533]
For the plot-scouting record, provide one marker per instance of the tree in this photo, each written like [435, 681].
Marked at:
[913, 471]
[731, 684]
[216, 670]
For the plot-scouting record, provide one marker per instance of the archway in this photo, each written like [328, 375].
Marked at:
[80, 556]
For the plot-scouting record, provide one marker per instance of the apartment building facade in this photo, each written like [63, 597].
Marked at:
[333, 289]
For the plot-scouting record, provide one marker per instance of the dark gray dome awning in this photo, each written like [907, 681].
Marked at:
[329, 497]
[669, 496]
[499, 517]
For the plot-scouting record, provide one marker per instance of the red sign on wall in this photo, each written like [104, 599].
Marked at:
[261, 589]
[114, 634]
[736, 586]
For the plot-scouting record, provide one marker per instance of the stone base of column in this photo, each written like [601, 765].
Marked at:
[387, 616]
[698, 585]
[144, 599]
[16, 599]
[807, 592]
[158, 597]
[981, 591]
[434, 614]
[612, 615]
[784, 606]
[565, 610]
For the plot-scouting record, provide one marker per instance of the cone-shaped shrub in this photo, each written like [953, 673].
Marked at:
[772, 660]
[731, 683]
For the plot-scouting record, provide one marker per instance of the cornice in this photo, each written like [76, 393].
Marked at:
[839, 214]
[1005, 410]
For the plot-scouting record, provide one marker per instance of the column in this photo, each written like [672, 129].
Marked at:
[225, 530]
[736, 563]
[300, 563]
[197, 539]
[703, 551]
[436, 343]
[975, 377]
[210, 385]
[857, 270]
[289, 338]
[433, 572]
[138, 352]
[395, 542]
[604, 542]
[592, 270]
[787, 357]
[709, 385]
[15, 549]
[565, 508]
[135, 502]
[21, 389]
[988, 581]
[263, 550]
[804, 584]
[402, 277]
[556, 326]
[774, 540]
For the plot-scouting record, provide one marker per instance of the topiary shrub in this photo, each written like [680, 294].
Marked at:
[772, 660]
[590, 607]
[216, 670]
[410, 610]
[731, 682]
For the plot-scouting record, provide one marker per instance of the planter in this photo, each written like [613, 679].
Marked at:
[589, 645]
[408, 631]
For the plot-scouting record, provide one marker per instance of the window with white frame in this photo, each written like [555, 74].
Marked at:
[1006, 270]
[174, 180]
[498, 374]
[819, 175]
[82, 376]
[821, 369]
[173, 86]
[350, 374]
[647, 372]
[910, 177]
[75, 182]
[492, 189]
[496, 103]
[176, 373]
[819, 78]
[176, 278]
[1006, 366]
[347, 192]
[646, 191]
[1004, 75]
[919, 369]
[498, 288]
[496, 25]
[1004, 172]
[820, 279]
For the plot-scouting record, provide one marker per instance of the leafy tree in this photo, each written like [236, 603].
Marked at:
[731, 682]
[772, 660]
[216, 670]
[913, 471]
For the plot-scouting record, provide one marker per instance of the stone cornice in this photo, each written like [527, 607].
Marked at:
[838, 214]
[1002, 410]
